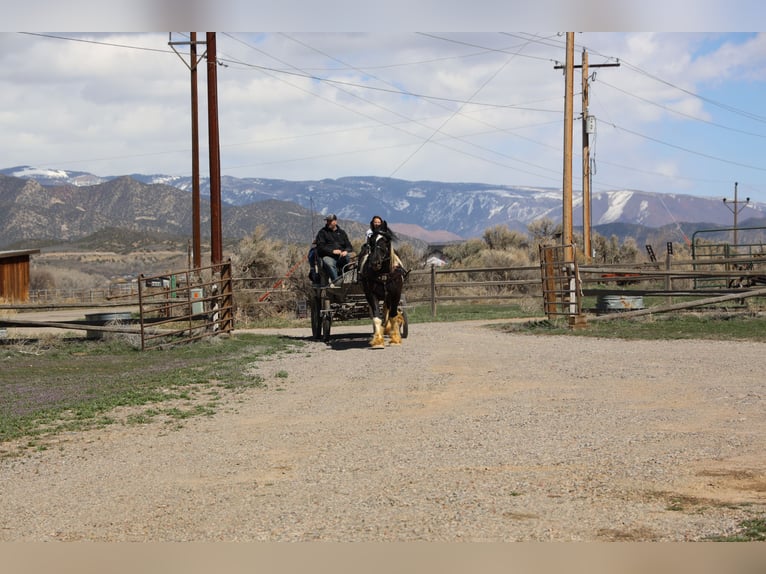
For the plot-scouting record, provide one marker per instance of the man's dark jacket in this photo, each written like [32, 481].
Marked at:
[328, 240]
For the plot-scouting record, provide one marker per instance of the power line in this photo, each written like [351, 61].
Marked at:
[682, 114]
[436, 99]
[409, 120]
[685, 149]
[439, 129]
[397, 114]
[487, 49]
[302, 74]
[84, 41]
[711, 101]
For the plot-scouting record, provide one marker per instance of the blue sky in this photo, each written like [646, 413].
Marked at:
[682, 113]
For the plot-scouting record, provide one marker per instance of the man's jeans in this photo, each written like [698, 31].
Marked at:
[332, 265]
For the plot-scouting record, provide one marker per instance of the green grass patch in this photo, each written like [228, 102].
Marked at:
[70, 385]
[753, 530]
[715, 326]
[468, 312]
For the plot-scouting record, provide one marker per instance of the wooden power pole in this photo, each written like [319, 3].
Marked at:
[192, 65]
[735, 209]
[588, 126]
[196, 217]
[566, 220]
[586, 205]
[216, 237]
[588, 123]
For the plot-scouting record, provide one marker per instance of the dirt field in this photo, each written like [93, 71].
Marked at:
[461, 434]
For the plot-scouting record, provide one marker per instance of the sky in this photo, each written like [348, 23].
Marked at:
[681, 113]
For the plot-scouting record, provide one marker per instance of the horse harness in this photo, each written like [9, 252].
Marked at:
[387, 277]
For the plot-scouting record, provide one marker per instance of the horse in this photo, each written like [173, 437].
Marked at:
[382, 276]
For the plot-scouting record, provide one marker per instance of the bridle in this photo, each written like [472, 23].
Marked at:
[377, 260]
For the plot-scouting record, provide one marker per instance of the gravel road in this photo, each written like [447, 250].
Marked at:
[462, 433]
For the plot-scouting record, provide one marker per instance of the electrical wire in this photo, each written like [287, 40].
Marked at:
[404, 117]
[528, 38]
[686, 149]
[457, 112]
[682, 114]
[96, 42]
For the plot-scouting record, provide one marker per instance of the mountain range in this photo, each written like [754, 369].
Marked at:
[45, 204]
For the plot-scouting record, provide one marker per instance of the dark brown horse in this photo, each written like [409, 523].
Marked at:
[382, 277]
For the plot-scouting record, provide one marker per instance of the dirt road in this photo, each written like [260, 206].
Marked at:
[463, 433]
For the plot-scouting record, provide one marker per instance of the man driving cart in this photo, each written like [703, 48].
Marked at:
[334, 249]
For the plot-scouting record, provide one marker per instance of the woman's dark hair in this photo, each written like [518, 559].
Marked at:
[383, 227]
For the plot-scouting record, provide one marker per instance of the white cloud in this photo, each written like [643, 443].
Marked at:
[107, 108]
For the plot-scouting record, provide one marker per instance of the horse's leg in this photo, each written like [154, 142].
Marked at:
[393, 320]
[393, 317]
[377, 340]
[372, 300]
[386, 320]
[393, 327]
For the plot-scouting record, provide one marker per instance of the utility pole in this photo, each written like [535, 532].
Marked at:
[735, 209]
[216, 238]
[192, 65]
[566, 220]
[588, 124]
[586, 216]
[588, 127]
[196, 217]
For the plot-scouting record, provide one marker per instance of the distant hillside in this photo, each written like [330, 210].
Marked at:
[32, 213]
[428, 209]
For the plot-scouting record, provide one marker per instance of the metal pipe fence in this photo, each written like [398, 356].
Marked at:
[185, 306]
[434, 286]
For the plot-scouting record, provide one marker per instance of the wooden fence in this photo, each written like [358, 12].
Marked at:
[434, 286]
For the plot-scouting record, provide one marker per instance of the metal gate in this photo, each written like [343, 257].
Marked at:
[562, 287]
[181, 307]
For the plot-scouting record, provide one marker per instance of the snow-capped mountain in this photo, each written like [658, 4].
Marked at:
[452, 209]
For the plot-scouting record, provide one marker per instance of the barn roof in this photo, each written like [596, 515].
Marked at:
[18, 253]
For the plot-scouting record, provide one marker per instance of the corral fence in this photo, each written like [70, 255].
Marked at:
[83, 296]
[440, 285]
[710, 252]
[173, 308]
[560, 285]
[185, 306]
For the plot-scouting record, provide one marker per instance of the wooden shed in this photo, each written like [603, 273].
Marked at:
[14, 275]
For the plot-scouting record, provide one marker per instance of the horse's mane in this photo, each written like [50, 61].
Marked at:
[387, 233]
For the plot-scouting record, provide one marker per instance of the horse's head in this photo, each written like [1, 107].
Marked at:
[379, 260]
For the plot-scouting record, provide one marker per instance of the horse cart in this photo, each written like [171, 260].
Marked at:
[344, 302]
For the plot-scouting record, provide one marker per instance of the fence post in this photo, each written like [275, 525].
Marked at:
[227, 291]
[433, 290]
[141, 311]
[668, 280]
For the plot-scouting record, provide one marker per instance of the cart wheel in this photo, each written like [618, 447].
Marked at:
[326, 321]
[404, 326]
[316, 321]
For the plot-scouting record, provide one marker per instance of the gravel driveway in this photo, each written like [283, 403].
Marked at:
[463, 433]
